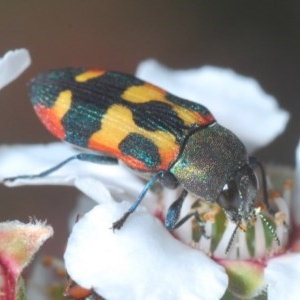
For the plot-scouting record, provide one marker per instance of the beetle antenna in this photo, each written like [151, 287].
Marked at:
[232, 237]
[254, 162]
[270, 227]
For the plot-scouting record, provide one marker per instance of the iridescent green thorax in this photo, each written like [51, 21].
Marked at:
[210, 157]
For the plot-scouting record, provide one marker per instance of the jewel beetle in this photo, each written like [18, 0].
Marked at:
[156, 134]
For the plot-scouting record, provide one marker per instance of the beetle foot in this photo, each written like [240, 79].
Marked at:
[11, 179]
[27, 177]
[119, 224]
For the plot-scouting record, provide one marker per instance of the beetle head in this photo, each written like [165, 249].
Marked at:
[238, 194]
[214, 166]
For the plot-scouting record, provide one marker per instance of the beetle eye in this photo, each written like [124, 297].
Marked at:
[229, 198]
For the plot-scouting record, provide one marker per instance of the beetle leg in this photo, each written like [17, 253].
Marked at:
[94, 158]
[256, 163]
[173, 214]
[119, 223]
[230, 243]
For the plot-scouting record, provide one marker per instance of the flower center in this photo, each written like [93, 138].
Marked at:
[265, 235]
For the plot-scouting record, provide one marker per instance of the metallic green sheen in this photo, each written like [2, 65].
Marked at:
[209, 158]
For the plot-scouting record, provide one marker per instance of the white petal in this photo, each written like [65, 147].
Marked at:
[141, 261]
[82, 206]
[12, 64]
[93, 188]
[238, 102]
[282, 275]
[33, 159]
[296, 202]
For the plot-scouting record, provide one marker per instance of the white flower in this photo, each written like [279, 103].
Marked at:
[143, 260]
[282, 273]
[12, 64]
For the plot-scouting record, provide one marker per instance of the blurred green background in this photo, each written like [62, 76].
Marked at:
[255, 38]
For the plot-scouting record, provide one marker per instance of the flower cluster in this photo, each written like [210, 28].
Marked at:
[146, 261]
[18, 241]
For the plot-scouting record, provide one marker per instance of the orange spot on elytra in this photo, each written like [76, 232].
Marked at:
[144, 93]
[51, 121]
[108, 138]
[51, 116]
[89, 74]
[148, 93]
